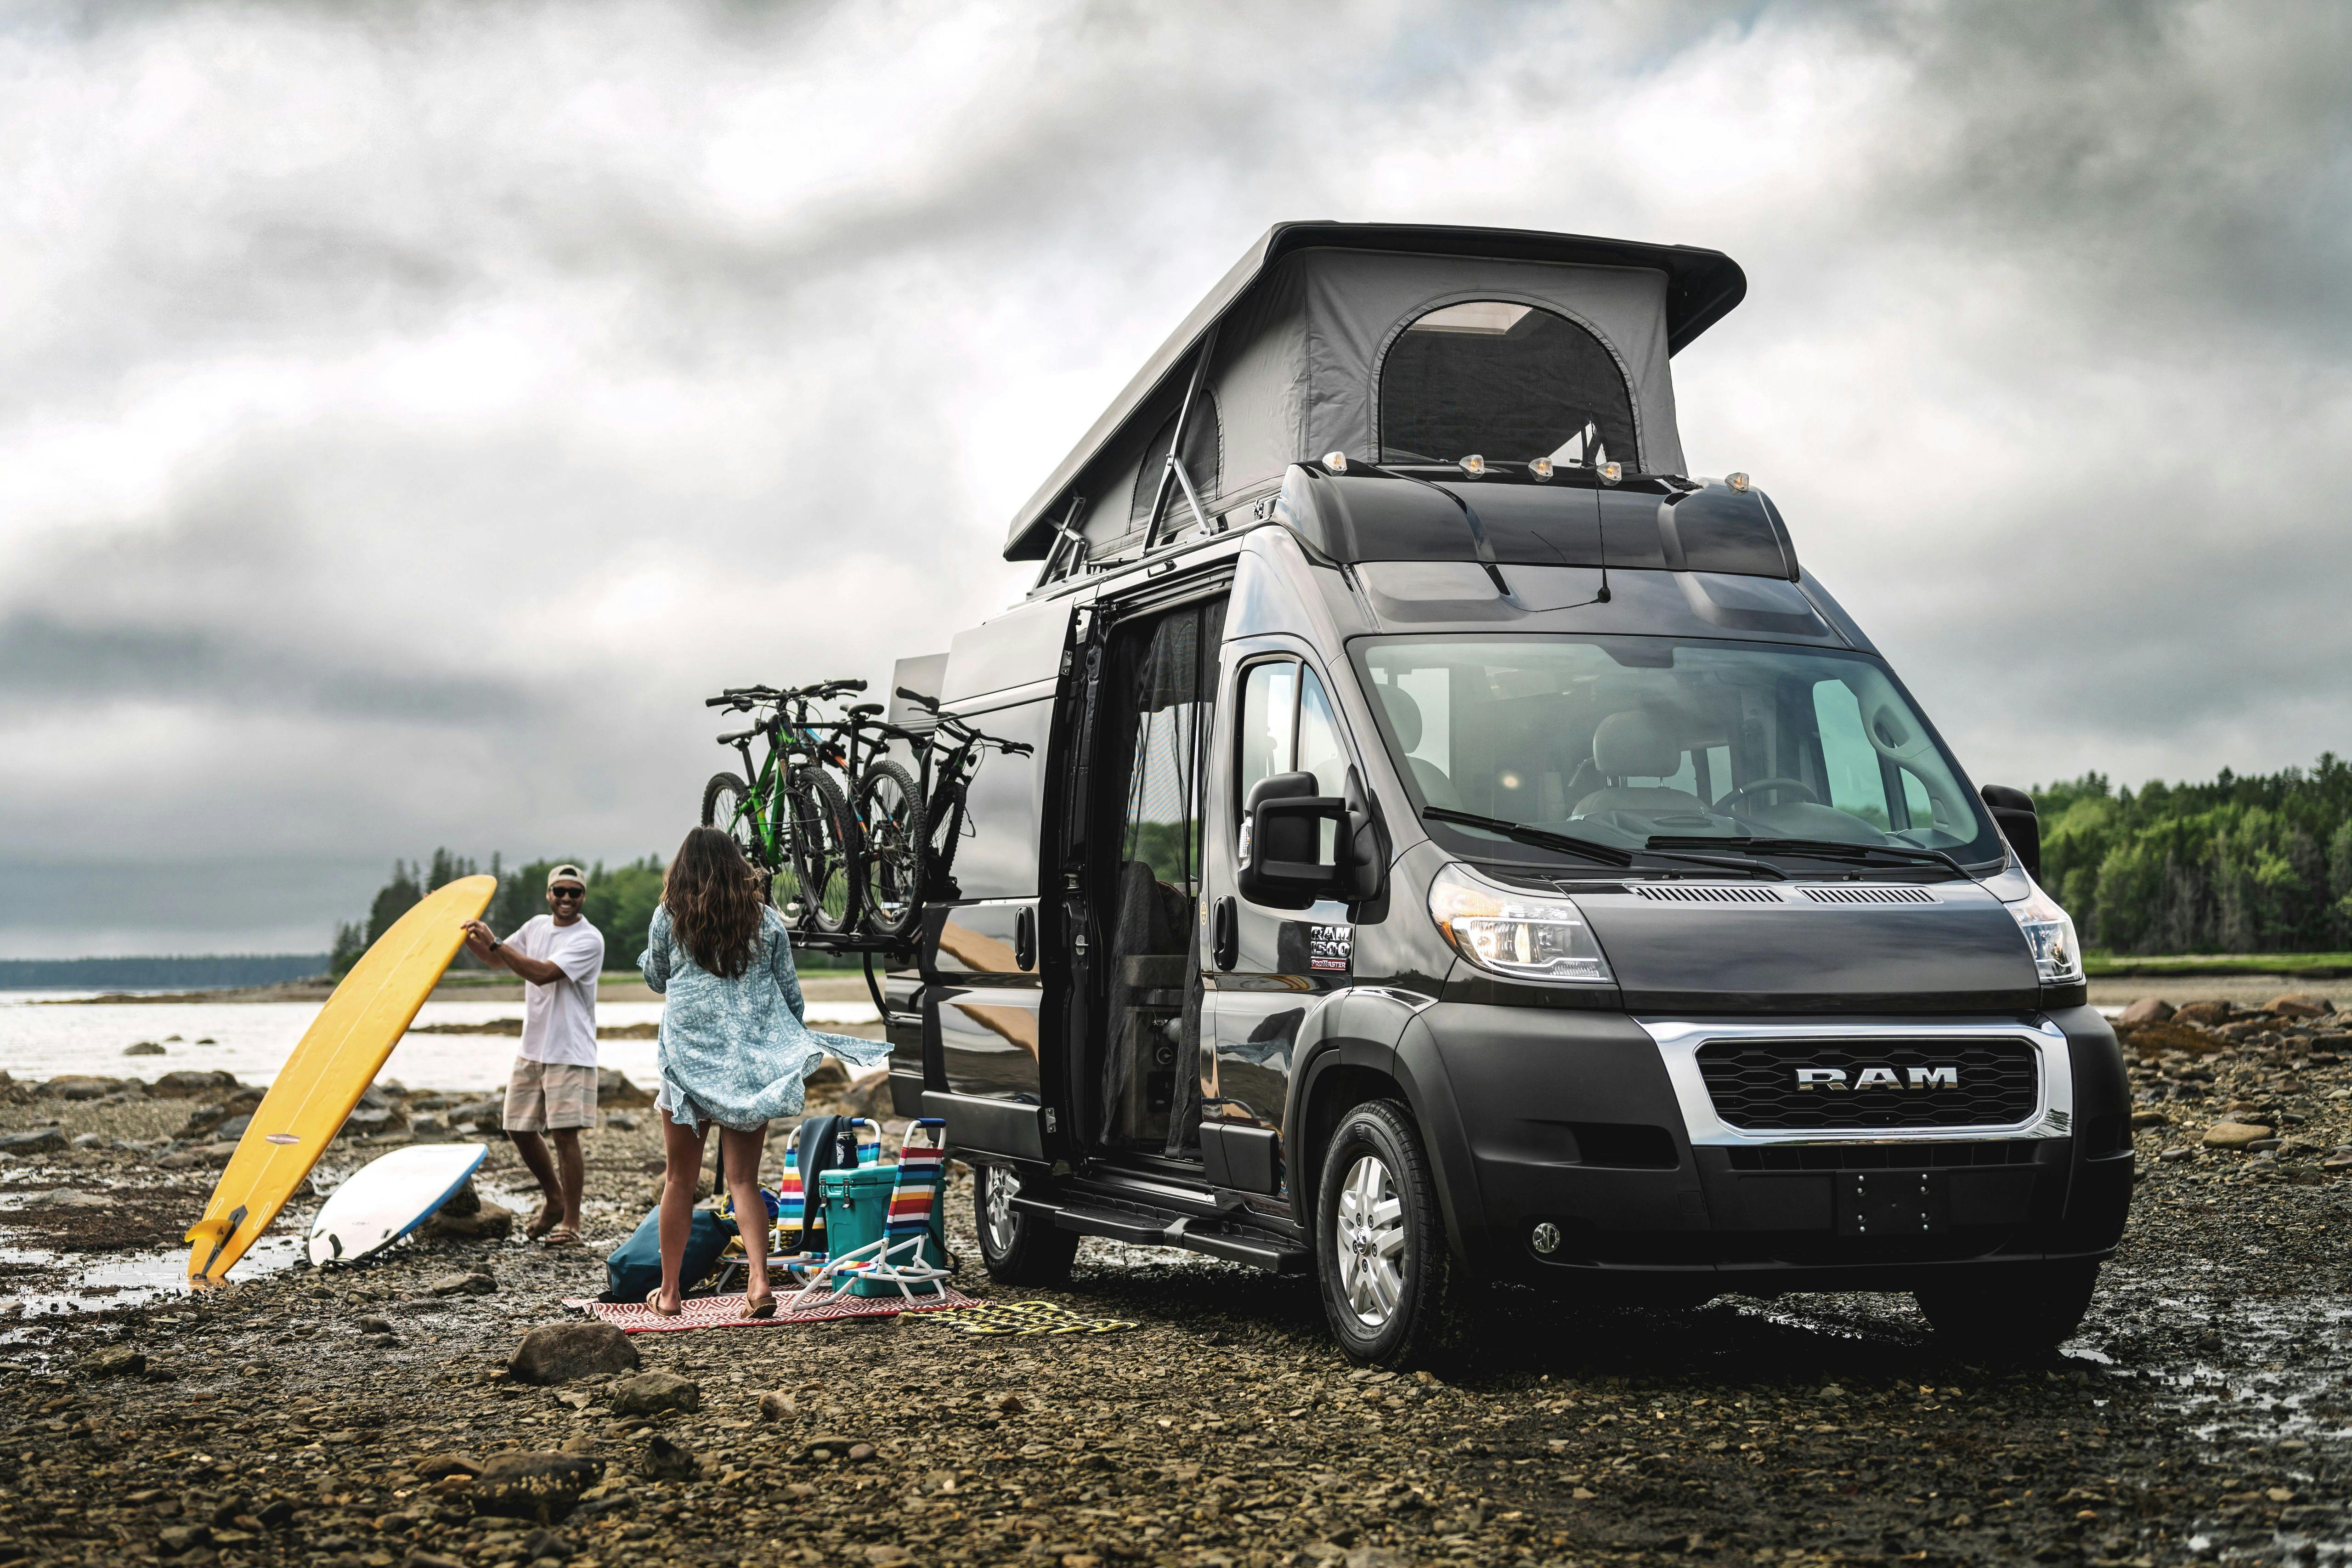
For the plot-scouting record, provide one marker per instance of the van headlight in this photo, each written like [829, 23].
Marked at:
[1514, 931]
[2050, 934]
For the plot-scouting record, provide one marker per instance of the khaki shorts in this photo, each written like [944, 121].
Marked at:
[545, 1097]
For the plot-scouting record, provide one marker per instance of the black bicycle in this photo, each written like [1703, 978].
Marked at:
[788, 813]
[913, 828]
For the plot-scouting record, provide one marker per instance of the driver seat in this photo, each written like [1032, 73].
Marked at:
[1637, 743]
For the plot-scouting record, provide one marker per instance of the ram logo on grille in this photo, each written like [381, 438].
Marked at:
[1879, 1077]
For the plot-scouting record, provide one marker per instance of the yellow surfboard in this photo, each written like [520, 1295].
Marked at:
[339, 1056]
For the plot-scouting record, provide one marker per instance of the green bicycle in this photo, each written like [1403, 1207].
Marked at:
[788, 815]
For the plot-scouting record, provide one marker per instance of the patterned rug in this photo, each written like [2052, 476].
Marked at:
[725, 1311]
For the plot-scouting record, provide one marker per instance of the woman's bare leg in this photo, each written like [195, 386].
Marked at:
[740, 1153]
[682, 1146]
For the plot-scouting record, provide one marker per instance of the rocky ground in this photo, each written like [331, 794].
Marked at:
[375, 1416]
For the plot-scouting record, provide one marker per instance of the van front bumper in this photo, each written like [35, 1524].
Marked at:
[1585, 1143]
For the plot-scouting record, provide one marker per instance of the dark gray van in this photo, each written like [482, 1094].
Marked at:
[1461, 846]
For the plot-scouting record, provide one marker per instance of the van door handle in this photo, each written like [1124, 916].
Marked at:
[1225, 938]
[1024, 938]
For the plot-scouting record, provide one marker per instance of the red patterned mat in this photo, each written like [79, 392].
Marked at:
[725, 1311]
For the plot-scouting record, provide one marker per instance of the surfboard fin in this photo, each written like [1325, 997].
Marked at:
[218, 1231]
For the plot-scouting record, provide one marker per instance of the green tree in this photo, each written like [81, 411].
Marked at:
[351, 942]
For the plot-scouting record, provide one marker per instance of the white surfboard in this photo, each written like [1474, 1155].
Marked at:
[387, 1198]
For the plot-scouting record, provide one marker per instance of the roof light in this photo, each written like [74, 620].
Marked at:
[1610, 472]
[1473, 465]
[1738, 482]
[1540, 467]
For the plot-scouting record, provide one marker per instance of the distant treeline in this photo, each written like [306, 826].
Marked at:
[2239, 865]
[620, 902]
[200, 973]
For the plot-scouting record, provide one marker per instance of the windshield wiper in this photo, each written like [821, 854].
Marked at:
[1606, 854]
[1520, 833]
[1819, 849]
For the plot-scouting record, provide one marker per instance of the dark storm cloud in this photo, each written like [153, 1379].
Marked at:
[407, 413]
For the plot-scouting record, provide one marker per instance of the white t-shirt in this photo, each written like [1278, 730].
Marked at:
[558, 1019]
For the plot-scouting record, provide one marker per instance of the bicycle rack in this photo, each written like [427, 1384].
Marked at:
[901, 950]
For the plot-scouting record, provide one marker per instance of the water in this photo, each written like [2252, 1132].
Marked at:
[252, 1039]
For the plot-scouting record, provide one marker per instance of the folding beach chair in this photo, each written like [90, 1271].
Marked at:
[911, 1255]
[796, 1218]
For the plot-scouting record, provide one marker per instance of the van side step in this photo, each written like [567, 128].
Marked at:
[1139, 1229]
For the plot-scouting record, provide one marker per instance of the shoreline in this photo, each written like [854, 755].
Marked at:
[613, 985]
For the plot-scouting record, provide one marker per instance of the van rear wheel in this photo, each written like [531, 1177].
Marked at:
[2018, 1311]
[1018, 1249]
[1390, 1285]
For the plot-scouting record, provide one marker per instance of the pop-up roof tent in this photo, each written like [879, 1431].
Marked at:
[1396, 344]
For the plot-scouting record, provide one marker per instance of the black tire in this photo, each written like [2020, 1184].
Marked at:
[1017, 1248]
[2019, 1312]
[826, 851]
[1408, 1313]
[895, 831]
[722, 808]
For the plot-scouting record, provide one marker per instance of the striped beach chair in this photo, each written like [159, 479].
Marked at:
[911, 1258]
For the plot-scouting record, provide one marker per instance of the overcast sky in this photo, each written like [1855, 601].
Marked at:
[409, 413]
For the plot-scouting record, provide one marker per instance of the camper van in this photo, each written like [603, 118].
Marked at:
[1459, 847]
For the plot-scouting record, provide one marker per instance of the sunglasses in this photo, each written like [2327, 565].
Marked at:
[567, 893]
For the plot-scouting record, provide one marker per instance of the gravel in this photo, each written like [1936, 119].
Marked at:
[2204, 1415]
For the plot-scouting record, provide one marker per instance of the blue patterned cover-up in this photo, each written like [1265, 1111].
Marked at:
[738, 1052]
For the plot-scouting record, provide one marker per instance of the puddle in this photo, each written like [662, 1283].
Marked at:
[127, 1279]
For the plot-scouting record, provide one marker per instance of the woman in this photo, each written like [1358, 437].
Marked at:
[734, 1047]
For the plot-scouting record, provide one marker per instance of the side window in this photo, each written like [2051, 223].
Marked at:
[1269, 720]
[1856, 787]
[998, 859]
[1319, 751]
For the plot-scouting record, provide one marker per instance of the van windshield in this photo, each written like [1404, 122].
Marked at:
[1642, 742]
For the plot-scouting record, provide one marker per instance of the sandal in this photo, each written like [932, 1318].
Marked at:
[562, 1236]
[542, 1222]
[652, 1300]
[766, 1307]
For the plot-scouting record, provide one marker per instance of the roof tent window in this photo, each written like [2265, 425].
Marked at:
[1203, 442]
[1508, 382]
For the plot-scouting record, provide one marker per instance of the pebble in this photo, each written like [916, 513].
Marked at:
[668, 1461]
[144, 1049]
[2234, 1134]
[777, 1406]
[116, 1361]
[476, 1282]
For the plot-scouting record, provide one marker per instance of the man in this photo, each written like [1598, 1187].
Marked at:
[553, 1091]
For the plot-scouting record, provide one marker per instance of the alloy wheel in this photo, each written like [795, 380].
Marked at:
[1370, 1241]
[1003, 1186]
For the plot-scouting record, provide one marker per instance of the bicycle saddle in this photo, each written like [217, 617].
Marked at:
[865, 708]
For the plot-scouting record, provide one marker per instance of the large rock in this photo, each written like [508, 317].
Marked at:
[558, 1352]
[144, 1049]
[533, 1486]
[39, 1141]
[2150, 1039]
[2299, 1005]
[2147, 1010]
[829, 1079]
[651, 1393]
[477, 1113]
[614, 1087]
[13, 1092]
[84, 1085]
[488, 1222]
[187, 1083]
[115, 1360]
[2203, 1014]
[2234, 1134]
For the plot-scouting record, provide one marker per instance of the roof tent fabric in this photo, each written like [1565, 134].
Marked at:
[1307, 323]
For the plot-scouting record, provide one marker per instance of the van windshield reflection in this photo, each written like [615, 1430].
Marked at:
[1651, 743]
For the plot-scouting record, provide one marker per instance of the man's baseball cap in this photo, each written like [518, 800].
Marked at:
[566, 874]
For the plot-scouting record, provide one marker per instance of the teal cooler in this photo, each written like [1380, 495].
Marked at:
[858, 1213]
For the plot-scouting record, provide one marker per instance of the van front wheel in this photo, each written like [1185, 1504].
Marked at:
[1019, 1248]
[1390, 1285]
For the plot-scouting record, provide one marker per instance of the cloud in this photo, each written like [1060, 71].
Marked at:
[408, 413]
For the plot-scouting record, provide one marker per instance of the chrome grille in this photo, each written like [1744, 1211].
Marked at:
[1874, 895]
[1755, 1084]
[1703, 893]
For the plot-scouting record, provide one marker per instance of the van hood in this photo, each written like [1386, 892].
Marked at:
[1811, 947]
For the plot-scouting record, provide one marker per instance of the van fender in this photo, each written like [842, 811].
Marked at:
[1377, 1030]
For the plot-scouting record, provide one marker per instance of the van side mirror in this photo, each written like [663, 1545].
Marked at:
[1282, 864]
[2012, 810]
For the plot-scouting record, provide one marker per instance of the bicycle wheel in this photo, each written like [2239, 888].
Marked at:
[827, 849]
[726, 806]
[894, 833]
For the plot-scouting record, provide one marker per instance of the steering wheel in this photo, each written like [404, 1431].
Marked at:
[1734, 798]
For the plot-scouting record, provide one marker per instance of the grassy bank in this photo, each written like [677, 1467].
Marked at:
[2310, 965]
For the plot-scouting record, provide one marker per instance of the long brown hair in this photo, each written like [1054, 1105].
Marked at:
[714, 902]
